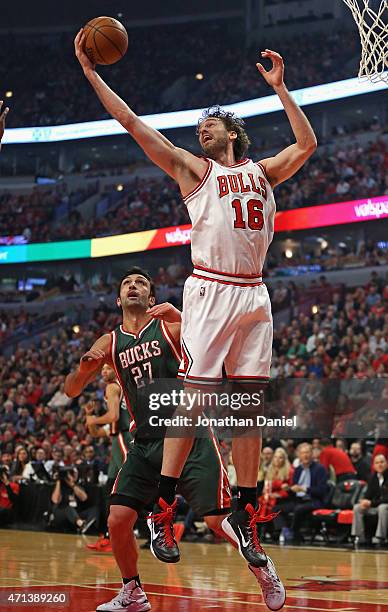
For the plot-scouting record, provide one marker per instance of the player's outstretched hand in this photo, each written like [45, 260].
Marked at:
[79, 47]
[275, 76]
[91, 360]
[3, 115]
[167, 312]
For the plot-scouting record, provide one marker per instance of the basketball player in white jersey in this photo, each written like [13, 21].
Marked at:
[226, 310]
[3, 115]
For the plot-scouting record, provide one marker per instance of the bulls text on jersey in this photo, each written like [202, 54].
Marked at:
[234, 183]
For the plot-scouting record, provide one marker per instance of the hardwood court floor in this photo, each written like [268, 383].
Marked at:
[208, 577]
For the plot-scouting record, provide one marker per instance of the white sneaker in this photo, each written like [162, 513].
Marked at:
[131, 598]
[274, 593]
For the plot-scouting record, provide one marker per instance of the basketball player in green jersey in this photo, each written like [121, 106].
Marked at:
[146, 346]
[114, 424]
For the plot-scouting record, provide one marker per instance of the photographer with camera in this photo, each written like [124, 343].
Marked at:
[9, 492]
[68, 498]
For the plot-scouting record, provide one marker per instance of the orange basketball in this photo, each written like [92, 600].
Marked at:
[106, 40]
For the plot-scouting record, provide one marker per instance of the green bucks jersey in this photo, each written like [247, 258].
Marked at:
[122, 424]
[140, 359]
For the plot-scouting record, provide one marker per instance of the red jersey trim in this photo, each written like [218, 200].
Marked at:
[204, 378]
[242, 162]
[248, 379]
[132, 425]
[227, 273]
[199, 385]
[216, 280]
[201, 183]
[250, 376]
[170, 340]
[200, 381]
[263, 170]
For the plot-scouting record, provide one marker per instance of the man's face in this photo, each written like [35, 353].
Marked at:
[380, 464]
[355, 450]
[6, 459]
[214, 137]
[135, 293]
[89, 453]
[305, 455]
[267, 454]
[107, 373]
[40, 455]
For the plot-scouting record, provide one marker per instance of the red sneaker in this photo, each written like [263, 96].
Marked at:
[102, 545]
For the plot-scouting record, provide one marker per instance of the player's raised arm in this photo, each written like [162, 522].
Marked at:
[283, 165]
[3, 115]
[90, 365]
[176, 162]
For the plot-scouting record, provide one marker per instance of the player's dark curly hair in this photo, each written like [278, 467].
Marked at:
[232, 124]
[141, 272]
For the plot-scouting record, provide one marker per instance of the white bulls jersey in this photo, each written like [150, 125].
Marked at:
[232, 212]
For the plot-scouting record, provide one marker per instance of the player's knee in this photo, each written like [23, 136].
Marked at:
[121, 518]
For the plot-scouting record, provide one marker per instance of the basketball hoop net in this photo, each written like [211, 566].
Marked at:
[373, 29]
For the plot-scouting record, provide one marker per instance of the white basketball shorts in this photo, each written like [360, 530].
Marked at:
[226, 323]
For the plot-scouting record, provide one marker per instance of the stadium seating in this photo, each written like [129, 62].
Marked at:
[40, 215]
[208, 48]
[343, 498]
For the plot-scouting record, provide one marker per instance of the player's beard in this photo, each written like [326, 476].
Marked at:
[215, 147]
[140, 304]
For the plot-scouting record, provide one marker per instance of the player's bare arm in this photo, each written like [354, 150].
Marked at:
[171, 316]
[286, 163]
[3, 115]
[90, 366]
[96, 432]
[166, 312]
[113, 397]
[184, 167]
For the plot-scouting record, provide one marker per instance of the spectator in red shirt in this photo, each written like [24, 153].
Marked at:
[9, 492]
[33, 394]
[381, 357]
[338, 460]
